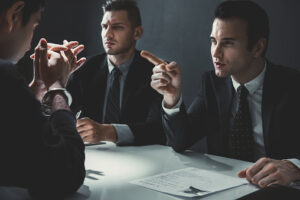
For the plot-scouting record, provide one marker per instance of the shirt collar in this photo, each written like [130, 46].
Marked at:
[124, 68]
[254, 84]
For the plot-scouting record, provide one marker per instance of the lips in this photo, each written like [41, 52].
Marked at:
[109, 43]
[219, 64]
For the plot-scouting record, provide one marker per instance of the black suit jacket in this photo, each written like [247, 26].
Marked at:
[45, 155]
[209, 115]
[140, 106]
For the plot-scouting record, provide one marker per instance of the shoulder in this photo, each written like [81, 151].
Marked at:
[8, 73]
[6, 68]
[282, 73]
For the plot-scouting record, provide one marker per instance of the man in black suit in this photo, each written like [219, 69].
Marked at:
[112, 91]
[42, 154]
[246, 107]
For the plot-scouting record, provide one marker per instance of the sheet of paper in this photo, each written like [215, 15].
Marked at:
[190, 182]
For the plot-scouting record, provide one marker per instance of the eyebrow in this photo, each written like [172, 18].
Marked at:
[228, 39]
[114, 24]
[223, 39]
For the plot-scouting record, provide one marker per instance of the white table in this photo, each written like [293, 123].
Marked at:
[111, 168]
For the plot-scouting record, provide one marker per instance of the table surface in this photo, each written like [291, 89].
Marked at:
[110, 169]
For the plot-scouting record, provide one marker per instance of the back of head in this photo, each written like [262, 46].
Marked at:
[30, 6]
[130, 6]
[255, 16]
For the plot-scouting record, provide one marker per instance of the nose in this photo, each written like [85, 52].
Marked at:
[108, 33]
[216, 51]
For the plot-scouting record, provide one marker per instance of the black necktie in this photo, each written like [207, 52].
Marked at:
[241, 138]
[112, 113]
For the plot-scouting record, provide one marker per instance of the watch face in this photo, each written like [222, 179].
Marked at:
[47, 98]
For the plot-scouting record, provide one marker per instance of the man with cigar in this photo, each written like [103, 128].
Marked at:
[245, 106]
[112, 90]
[42, 154]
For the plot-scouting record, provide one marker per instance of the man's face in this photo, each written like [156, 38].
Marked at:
[118, 35]
[229, 47]
[20, 39]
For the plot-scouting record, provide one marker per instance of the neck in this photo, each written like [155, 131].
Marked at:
[255, 68]
[119, 59]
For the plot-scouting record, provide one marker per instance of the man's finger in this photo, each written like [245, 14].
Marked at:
[79, 63]
[256, 167]
[72, 44]
[267, 180]
[82, 121]
[52, 46]
[43, 53]
[78, 49]
[65, 42]
[83, 129]
[84, 134]
[159, 84]
[242, 174]
[264, 172]
[58, 48]
[152, 58]
[37, 62]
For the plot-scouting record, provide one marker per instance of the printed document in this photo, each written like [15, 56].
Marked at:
[190, 182]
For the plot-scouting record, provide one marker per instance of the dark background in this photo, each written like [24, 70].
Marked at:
[173, 30]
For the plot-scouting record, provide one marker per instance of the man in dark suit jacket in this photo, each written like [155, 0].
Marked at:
[42, 154]
[243, 89]
[137, 113]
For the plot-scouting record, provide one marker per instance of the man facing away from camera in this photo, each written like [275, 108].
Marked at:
[40, 153]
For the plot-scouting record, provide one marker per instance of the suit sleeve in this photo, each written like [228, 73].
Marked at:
[187, 127]
[150, 131]
[75, 88]
[44, 155]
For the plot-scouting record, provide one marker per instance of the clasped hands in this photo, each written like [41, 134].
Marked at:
[53, 64]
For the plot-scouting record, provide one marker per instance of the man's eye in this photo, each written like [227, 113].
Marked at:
[213, 41]
[228, 43]
[117, 27]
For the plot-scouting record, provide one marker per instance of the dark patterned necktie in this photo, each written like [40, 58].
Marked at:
[241, 138]
[112, 113]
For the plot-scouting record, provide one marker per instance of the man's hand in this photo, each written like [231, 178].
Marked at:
[93, 132]
[166, 79]
[37, 85]
[266, 172]
[54, 63]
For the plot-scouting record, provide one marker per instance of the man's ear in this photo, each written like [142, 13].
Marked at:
[259, 47]
[14, 15]
[138, 32]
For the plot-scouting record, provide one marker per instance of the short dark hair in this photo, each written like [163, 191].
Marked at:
[30, 6]
[130, 6]
[255, 16]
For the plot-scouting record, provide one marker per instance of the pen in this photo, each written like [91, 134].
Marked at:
[78, 114]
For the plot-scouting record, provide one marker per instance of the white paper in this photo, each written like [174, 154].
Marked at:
[178, 182]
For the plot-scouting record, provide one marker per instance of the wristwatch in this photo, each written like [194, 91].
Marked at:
[48, 97]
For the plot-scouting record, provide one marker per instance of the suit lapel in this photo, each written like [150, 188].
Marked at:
[132, 80]
[98, 88]
[269, 98]
[224, 93]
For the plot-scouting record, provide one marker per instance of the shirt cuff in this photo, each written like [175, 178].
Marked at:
[174, 110]
[294, 161]
[124, 133]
